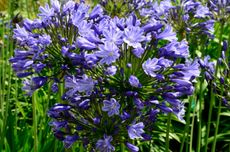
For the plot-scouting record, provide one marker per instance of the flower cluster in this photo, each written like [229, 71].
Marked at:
[221, 9]
[218, 75]
[194, 19]
[118, 73]
[188, 17]
[224, 80]
[208, 68]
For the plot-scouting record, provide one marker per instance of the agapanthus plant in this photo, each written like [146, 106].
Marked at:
[118, 73]
[190, 19]
[221, 9]
[223, 85]
[219, 78]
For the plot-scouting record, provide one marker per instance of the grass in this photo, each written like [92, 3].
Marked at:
[23, 120]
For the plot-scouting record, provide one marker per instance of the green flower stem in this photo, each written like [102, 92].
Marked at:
[199, 124]
[35, 122]
[61, 91]
[200, 117]
[27, 9]
[228, 49]
[209, 118]
[192, 129]
[217, 122]
[167, 133]
[212, 90]
[81, 148]
[217, 127]
[5, 92]
[122, 147]
[185, 133]
[220, 39]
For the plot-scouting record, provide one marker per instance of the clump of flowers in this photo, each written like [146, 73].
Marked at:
[118, 73]
[222, 80]
[218, 75]
[208, 68]
[221, 9]
[188, 17]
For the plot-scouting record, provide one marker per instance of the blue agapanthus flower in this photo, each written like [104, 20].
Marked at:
[176, 49]
[111, 70]
[167, 34]
[46, 13]
[202, 12]
[31, 85]
[104, 145]
[151, 67]
[113, 35]
[220, 9]
[133, 80]
[119, 73]
[220, 81]
[108, 53]
[84, 84]
[138, 52]
[135, 131]
[111, 106]
[132, 147]
[133, 36]
[20, 33]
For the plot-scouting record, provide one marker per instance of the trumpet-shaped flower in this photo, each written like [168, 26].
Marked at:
[108, 53]
[46, 13]
[151, 66]
[111, 106]
[104, 145]
[135, 131]
[133, 36]
[85, 84]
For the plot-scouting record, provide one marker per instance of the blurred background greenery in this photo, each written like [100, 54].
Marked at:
[22, 128]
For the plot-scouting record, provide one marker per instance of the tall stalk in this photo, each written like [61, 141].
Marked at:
[192, 130]
[212, 89]
[185, 133]
[167, 133]
[122, 147]
[6, 77]
[199, 115]
[217, 123]
[35, 135]
[199, 122]
[217, 127]
[2, 80]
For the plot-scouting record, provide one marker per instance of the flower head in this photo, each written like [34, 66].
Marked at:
[117, 71]
[202, 12]
[113, 35]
